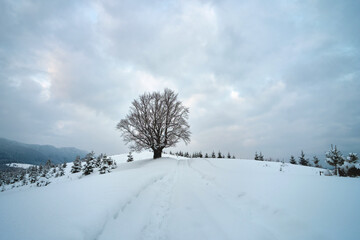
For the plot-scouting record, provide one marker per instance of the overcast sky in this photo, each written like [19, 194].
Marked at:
[271, 76]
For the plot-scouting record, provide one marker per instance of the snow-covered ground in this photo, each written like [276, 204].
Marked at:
[19, 165]
[179, 198]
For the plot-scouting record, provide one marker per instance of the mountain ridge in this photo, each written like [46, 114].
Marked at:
[12, 151]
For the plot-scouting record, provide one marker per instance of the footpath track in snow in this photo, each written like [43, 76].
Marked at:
[200, 202]
[143, 216]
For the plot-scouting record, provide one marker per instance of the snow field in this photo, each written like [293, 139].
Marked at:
[19, 165]
[179, 198]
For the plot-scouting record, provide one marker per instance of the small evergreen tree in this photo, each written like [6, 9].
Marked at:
[200, 154]
[104, 168]
[334, 158]
[130, 157]
[219, 155]
[206, 155]
[233, 157]
[97, 161]
[89, 163]
[23, 182]
[33, 175]
[352, 158]
[228, 155]
[316, 161]
[213, 155]
[111, 162]
[43, 171]
[88, 167]
[350, 166]
[61, 170]
[49, 164]
[302, 160]
[292, 160]
[261, 157]
[256, 156]
[107, 164]
[46, 170]
[76, 167]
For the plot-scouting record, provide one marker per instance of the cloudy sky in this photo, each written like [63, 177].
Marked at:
[272, 76]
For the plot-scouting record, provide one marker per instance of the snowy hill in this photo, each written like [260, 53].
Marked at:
[179, 198]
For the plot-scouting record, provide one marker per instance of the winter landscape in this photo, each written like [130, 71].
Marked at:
[179, 120]
[185, 198]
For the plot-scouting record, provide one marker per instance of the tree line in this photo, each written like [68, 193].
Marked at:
[343, 166]
[201, 155]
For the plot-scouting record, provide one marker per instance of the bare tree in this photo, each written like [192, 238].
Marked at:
[156, 121]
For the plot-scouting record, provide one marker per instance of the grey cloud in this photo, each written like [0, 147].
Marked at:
[277, 77]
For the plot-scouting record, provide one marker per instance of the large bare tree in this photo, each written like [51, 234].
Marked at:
[156, 121]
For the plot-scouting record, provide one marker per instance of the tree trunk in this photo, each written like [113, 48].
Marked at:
[157, 153]
[336, 171]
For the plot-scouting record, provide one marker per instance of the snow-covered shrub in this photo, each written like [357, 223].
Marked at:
[316, 161]
[350, 166]
[107, 164]
[353, 171]
[42, 182]
[88, 167]
[130, 157]
[76, 167]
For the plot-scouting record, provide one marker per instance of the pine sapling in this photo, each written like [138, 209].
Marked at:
[302, 160]
[335, 158]
[292, 160]
[316, 161]
[130, 157]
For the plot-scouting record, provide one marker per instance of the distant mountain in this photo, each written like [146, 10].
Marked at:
[12, 151]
